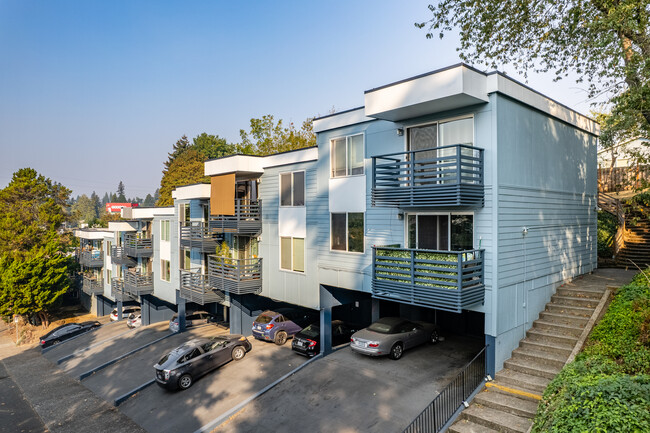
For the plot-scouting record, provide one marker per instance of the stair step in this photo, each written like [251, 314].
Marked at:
[506, 403]
[544, 357]
[521, 381]
[532, 367]
[569, 309]
[557, 328]
[542, 335]
[466, 426]
[560, 349]
[497, 420]
[579, 293]
[564, 319]
[573, 301]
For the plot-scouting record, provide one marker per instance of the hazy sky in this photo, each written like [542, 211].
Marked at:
[94, 92]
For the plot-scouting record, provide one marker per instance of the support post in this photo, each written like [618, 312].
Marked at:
[181, 314]
[326, 331]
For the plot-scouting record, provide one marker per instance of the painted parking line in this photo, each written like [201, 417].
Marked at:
[223, 417]
[119, 358]
[82, 350]
[121, 399]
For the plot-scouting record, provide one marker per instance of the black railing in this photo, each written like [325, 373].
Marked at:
[92, 286]
[199, 235]
[137, 247]
[137, 283]
[446, 280]
[91, 258]
[195, 287]
[434, 417]
[436, 177]
[238, 276]
[247, 219]
[119, 257]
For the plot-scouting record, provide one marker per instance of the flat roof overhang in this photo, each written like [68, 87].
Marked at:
[446, 89]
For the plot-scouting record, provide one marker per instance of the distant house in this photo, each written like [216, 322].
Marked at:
[624, 166]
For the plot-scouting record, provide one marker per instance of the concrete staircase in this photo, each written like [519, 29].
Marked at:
[509, 402]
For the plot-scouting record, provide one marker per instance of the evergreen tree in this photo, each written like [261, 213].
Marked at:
[148, 201]
[120, 193]
[186, 169]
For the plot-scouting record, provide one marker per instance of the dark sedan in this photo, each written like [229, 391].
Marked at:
[307, 341]
[392, 336]
[67, 331]
[182, 366]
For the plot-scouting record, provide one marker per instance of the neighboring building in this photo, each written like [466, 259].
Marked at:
[117, 207]
[457, 197]
[624, 154]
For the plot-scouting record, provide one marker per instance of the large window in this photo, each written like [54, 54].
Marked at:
[446, 232]
[292, 189]
[347, 230]
[186, 260]
[185, 212]
[165, 230]
[165, 272]
[292, 254]
[347, 156]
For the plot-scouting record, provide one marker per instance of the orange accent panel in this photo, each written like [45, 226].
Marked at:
[222, 194]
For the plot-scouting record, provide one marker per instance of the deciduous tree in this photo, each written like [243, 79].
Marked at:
[267, 136]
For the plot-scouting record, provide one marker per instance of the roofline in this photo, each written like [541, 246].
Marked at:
[426, 74]
[258, 156]
[340, 112]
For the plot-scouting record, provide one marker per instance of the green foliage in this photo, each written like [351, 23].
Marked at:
[430, 267]
[604, 42]
[267, 137]
[212, 146]
[607, 227]
[224, 254]
[607, 387]
[84, 209]
[120, 197]
[642, 198]
[186, 169]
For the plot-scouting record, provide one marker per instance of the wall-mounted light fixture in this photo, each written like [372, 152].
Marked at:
[400, 131]
[400, 216]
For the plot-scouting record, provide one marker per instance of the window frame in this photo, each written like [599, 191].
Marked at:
[347, 155]
[292, 188]
[165, 230]
[165, 270]
[448, 214]
[347, 233]
[439, 122]
[291, 244]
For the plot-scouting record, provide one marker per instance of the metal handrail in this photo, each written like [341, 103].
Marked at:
[235, 269]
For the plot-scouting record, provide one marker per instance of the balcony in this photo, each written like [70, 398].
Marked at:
[195, 287]
[438, 177]
[91, 258]
[237, 276]
[117, 290]
[445, 280]
[136, 283]
[246, 221]
[92, 286]
[199, 235]
[137, 247]
[119, 257]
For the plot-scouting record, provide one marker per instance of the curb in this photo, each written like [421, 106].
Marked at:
[589, 326]
[119, 358]
[124, 397]
[224, 416]
[47, 349]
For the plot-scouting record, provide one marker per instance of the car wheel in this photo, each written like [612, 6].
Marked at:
[55, 342]
[396, 351]
[280, 338]
[434, 337]
[238, 353]
[185, 381]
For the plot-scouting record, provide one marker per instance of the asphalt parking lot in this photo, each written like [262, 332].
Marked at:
[348, 392]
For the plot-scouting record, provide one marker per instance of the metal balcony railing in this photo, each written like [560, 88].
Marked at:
[91, 258]
[246, 221]
[92, 286]
[446, 280]
[117, 290]
[119, 257]
[237, 276]
[199, 235]
[437, 177]
[136, 283]
[195, 287]
[137, 247]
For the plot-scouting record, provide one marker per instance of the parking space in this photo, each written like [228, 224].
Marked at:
[137, 369]
[349, 392]
[97, 336]
[118, 346]
[158, 410]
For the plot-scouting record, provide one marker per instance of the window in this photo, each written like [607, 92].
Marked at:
[347, 156]
[446, 232]
[185, 212]
[292, 254]
[108, 248]
[165, 272]
[165, 230]
[186, 260]
[108, 275]
[347, 230]
[292, 189]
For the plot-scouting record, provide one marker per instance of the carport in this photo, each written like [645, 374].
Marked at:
[351, 306]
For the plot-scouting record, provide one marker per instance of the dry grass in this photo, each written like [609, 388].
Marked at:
[29, 334]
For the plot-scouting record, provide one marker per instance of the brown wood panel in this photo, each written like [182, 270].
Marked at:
[222, 194]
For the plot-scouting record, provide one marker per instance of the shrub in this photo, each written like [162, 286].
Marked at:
[607, 227]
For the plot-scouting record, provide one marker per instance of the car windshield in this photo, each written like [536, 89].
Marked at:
[164, 358]
[311, 331]
[382, 328]
[263, 318]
